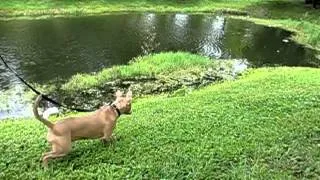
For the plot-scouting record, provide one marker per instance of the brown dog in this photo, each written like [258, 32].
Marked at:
[98, 124]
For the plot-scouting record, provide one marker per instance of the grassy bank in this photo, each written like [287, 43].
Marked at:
[34, 8]
[147, 75]
[150, 66]
[263, 126]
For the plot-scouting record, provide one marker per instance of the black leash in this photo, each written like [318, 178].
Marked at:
[39, 93]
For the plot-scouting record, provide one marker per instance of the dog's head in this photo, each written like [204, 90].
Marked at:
[123, 102]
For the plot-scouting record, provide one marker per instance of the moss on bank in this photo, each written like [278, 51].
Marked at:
[148, 66]
[151, 74]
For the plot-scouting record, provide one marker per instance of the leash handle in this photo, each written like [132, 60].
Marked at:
[38, 92]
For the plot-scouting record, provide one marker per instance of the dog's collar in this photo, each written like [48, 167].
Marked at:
[115, 108]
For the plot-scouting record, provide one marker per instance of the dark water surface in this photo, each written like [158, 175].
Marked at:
[44, 51]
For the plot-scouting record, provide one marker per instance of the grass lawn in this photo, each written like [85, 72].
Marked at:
[11, 8]
[264, 126]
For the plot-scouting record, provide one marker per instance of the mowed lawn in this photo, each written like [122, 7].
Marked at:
[264, 125]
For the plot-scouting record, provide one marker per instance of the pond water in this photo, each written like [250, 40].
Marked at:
[52, 50]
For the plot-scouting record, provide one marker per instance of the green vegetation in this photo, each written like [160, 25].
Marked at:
[150, 66]
[147, 75]
[18, 8]
[263, 126]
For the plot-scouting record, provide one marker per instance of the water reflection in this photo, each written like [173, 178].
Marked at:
[210, 44]
[149, 34]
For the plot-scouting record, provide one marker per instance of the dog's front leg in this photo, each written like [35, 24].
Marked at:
[51, 155]
[107, 134]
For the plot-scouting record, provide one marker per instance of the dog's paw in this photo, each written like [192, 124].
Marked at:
[113, 137]
[105, 141]
[45, 164]
[110, 140]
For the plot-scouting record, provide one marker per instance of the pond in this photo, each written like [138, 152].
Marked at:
[52, 50]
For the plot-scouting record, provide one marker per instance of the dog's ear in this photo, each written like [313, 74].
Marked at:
[129, 94]
[118, 93]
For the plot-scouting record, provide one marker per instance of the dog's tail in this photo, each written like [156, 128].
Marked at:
[36, 113]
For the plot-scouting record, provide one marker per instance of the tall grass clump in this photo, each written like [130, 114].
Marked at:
[148, 66]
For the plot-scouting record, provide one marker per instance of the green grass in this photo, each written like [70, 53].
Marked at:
[146, 66]
[262, 126]
[18, 8]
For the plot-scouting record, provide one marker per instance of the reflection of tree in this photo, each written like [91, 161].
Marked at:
[179, 27]
[164, 32]
[212, 31]
[149, 43]
[145, 26]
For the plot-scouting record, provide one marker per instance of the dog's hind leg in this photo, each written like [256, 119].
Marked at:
[60, 147]
[50, 152]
